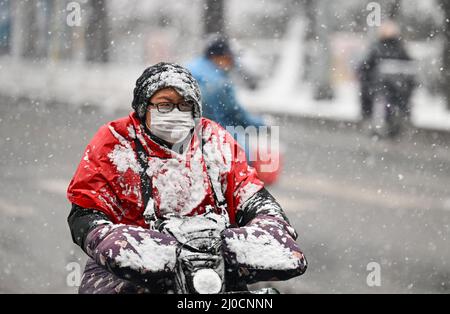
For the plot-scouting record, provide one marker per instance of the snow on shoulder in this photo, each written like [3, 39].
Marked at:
[123, 155]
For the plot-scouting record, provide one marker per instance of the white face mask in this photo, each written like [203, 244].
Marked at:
[171, 127]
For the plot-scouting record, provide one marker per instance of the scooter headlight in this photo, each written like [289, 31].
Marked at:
[207, 281]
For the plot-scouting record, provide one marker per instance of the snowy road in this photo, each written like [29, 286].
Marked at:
[352, 201]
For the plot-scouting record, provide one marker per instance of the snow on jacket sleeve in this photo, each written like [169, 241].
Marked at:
[132, 253]
[264, 248]
[127, 251]
[90, 186]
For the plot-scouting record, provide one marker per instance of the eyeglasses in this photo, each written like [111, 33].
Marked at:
[166, 107]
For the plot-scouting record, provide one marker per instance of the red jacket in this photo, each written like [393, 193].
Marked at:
[108, 176]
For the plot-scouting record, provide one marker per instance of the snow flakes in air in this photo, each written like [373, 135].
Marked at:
[123, 156]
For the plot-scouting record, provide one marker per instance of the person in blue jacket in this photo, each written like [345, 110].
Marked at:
[212, 71]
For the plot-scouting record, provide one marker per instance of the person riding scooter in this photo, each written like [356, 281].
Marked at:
[152, 186]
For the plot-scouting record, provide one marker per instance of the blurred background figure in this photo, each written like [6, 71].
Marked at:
[386, 75]
[211, 70]
[220, 103]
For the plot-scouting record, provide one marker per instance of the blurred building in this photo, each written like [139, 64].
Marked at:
[333, 37]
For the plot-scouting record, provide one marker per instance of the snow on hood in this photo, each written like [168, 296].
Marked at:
[163, 75]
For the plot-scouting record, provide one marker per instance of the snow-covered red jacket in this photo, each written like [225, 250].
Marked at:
[107, 193]
[108, 177]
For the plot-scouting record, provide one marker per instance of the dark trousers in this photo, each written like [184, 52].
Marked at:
[395, 97]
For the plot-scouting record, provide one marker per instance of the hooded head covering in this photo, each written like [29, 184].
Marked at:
[218, 45]
[164, 75]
